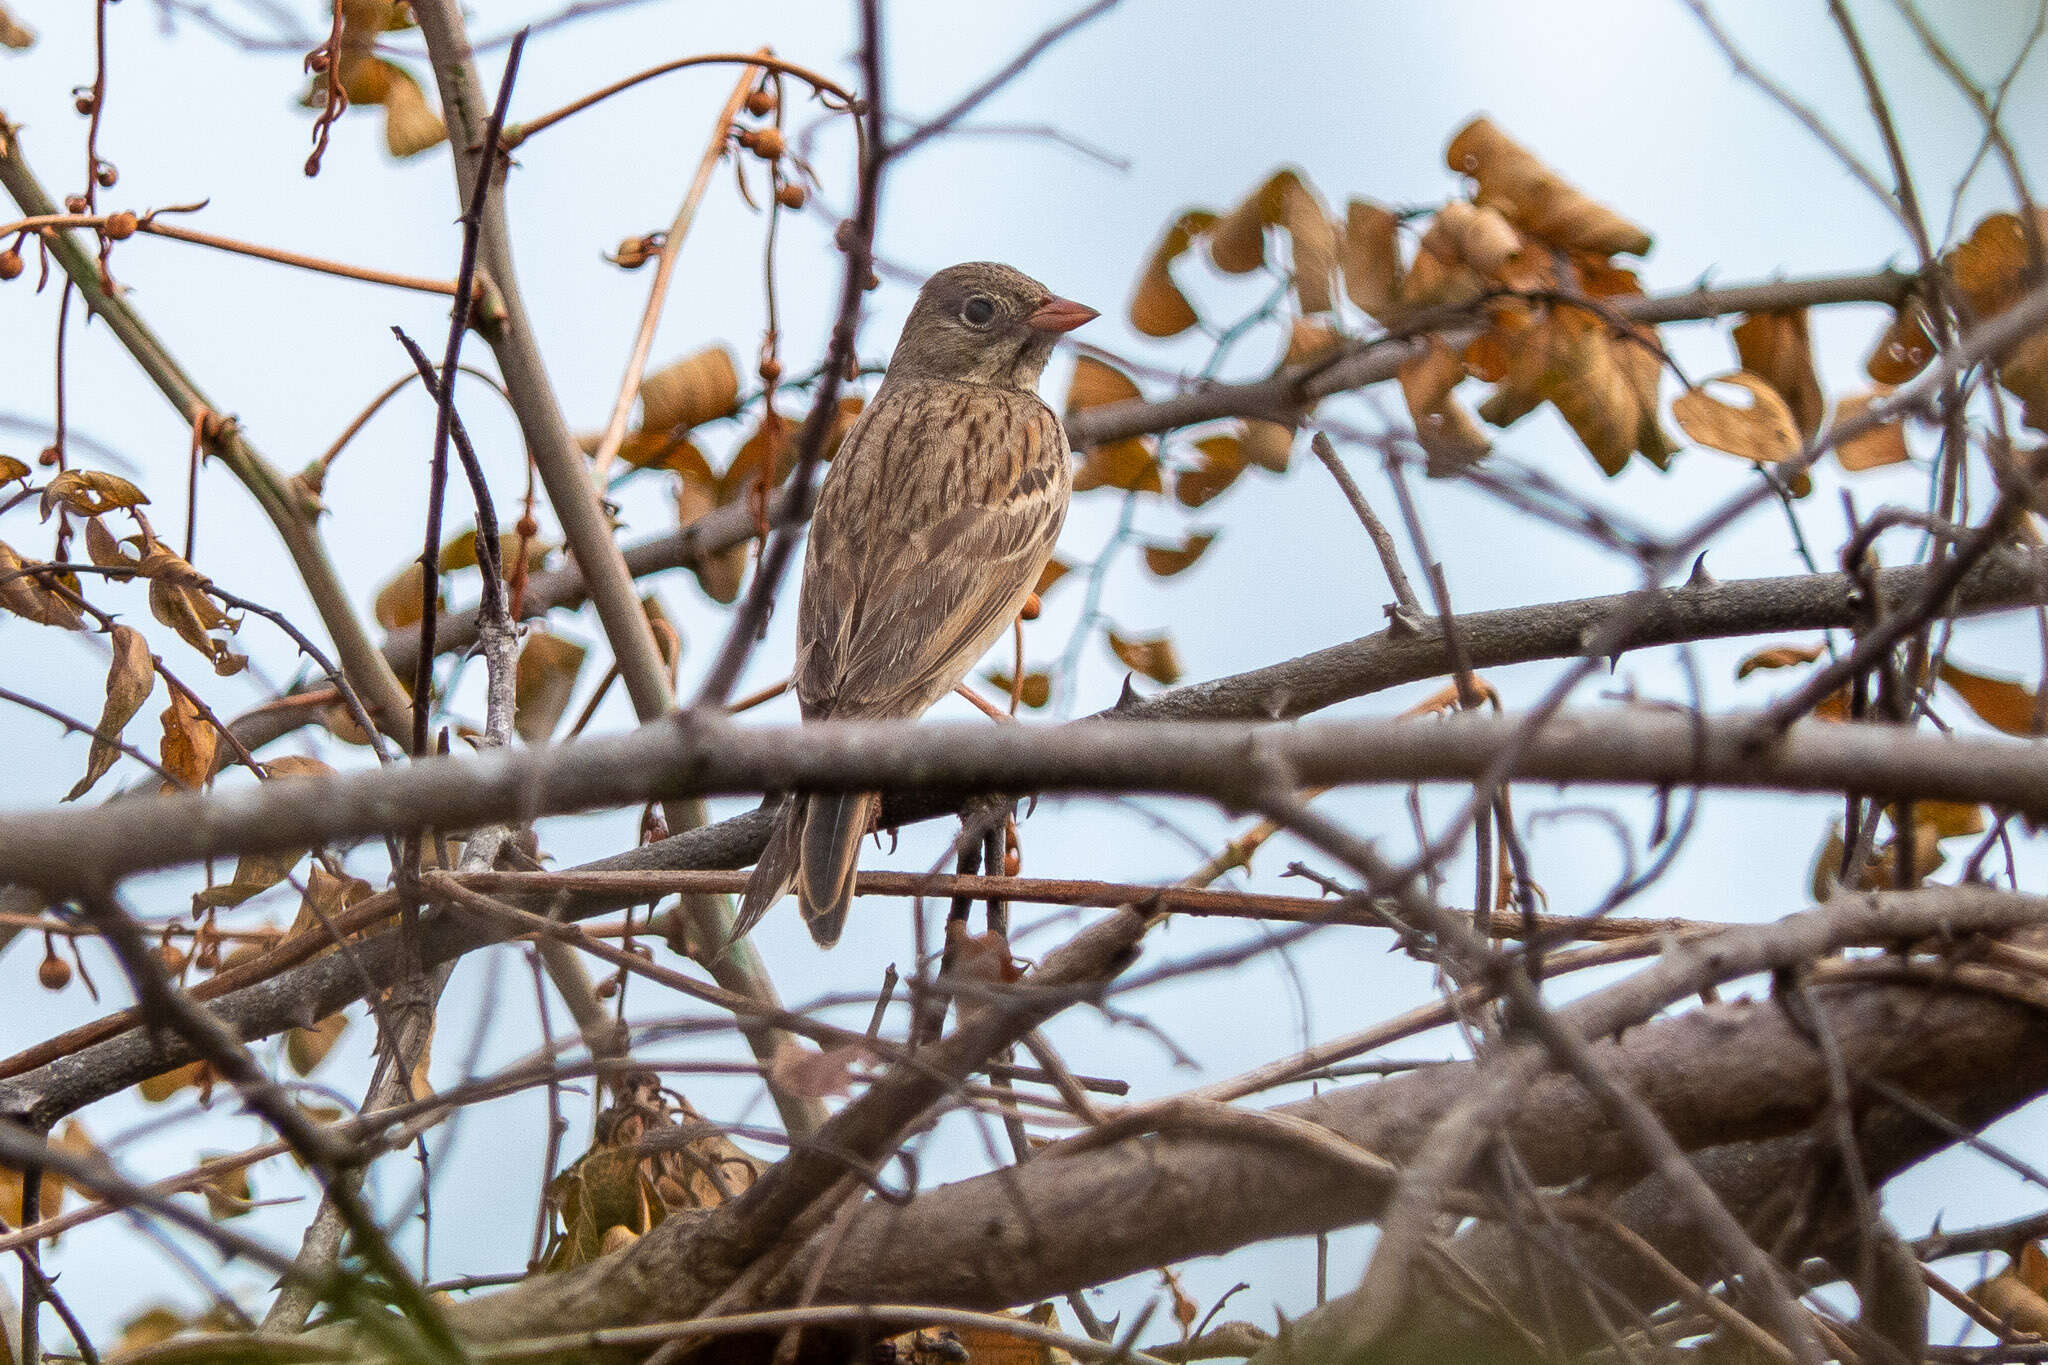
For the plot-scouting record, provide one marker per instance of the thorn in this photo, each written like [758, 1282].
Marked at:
[1128, 697]
[1402, 622]
[1699, 577]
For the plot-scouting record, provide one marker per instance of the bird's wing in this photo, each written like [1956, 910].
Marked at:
[925, 556]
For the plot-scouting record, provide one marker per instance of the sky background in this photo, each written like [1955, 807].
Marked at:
[1184, 104]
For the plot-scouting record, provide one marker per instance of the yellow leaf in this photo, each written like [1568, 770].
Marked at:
[1128, 464]
[1990, 267]
[410, 124]
[1999, 702]
[1776, 348]
[1158, 308]
[1155, 657]
[460, 553]
[130, 678]
[1762, 430]
[195, 1075]
[1881, 445]
[228, 1193]
[1534, 198]
[306, 1048]
[545, 679]
[12, 470]
[1223, 459]
[1168, 560]
[1449, 435]
[1948, 819]
[689, 392]
[1370, 256]
[1779, 656]
[2007, 1297]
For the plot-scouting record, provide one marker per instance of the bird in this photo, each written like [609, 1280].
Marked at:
[934, 522]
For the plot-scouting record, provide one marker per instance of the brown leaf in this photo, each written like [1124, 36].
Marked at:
[130, 678]
[228, 1193]
[1168, 560]
[1949, 819]
[1310, 339]
[981, 957]
[1158, 308]
[543, 684]
[28, 596]
[1269, 445]
[326, 897]
[90, 492]
[1763, 430]
[1154, 657]
[1603, 386]
[104, 550]
[1370, 256]
[177, 600]
[1776, 348]
[719, 574]
[189, 742]
[2007, 1297]
[17, 35]
[689, 392]
[1449, 436]
[1779, 656]
[1534, 198]
[1035, 692]
[1055, 569]
[460, 553]
[1903, 348]
[255, 873]
[1096, 383]
[193, 1075]
[1480, 237]
[1223, 459]
[1128, 464]
[12, 470]
[50, 1188]
[1990, 266]
[771, 447]
[1999, 702]
[306, 1048]
[1881, 445]
[400, 601]
[810, 1073]
[1237, 242]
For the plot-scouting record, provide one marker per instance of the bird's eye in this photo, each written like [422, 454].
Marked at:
[978, 311]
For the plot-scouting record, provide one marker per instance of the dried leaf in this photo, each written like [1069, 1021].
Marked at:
[1237, 242]
[1776, 348]
[543, 684]
[1310, 339]
[1158, 308]
[719, 574]
[1949, 819]
[1999, 702]
[689, 392]
[306, 1048]
[1128, 464]
[2007, 1297]
[460, 553]
[1096, 383]
[1763, 430]
[177, 600]
[1779, 656]
[1534, 198]
[1055, 569]
[1269, 445]
[90, 492]
[11, 469]
[1223, 459]
[1479, 237]
[400, 601]
[255, 873]
[1036, 691]
[410, 124]
[1449, 435]
[17, 35]
[193, 1075]
[27, 595]
[1154, 657]
[981, 957]
[811, 1073]
[771, 447]
[1370, 256]
[1168, 560]
[991, 1345]
[50, 1187]
[1990, 266]
[1903, 348]
[1881, 445]
[189, 742]
[130, 679]
[1599, 384]
[228, 1193]
[105, 551]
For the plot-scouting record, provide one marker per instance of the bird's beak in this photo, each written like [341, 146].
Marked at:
[1060, 315]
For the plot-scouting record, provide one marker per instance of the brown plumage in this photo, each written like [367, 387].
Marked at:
[934, 523]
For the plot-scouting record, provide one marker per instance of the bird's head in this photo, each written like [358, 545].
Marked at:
[986, 324]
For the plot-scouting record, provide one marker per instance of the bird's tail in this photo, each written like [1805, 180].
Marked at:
[774, 873]
[828, 851]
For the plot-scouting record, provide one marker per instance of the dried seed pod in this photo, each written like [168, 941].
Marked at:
[766, 143]
[608, 988]
[317, 62]
[1013, 861]
[85, 103]
[76, 203]
[10, 264]
[1032, 606]
[761, 102]
[105, 175]
[791, 195]
[120, 226]
[55, 972]
[527, 526]
[49, 456]
[770, 369]
[172, 956]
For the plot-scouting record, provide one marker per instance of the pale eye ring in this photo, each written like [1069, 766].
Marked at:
[978, 311]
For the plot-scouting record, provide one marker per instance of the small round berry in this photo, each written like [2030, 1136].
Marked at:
[761, 102]
[770, 369]
[55, 973]
[172, 956]
[85, 103]
[791, 195]
[10, 264]
[106, 175]
[1032, 606]
[766, 143]
[120, 226]
[76, 203]
[51, 455]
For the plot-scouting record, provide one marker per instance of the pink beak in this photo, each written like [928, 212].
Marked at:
[1060, 315]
